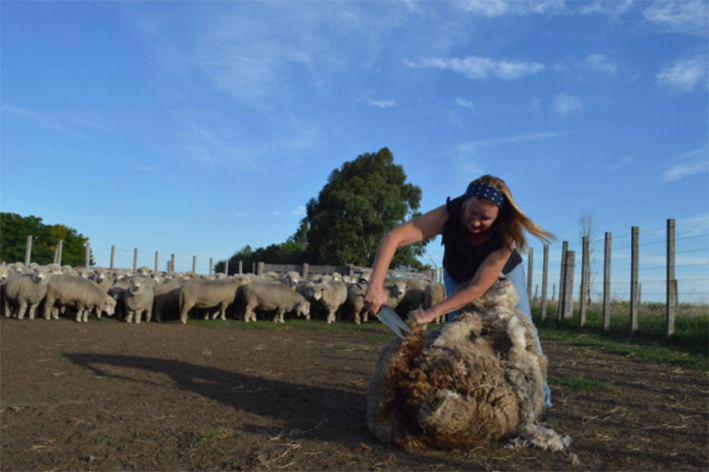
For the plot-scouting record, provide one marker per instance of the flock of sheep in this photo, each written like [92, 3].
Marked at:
[164, 295]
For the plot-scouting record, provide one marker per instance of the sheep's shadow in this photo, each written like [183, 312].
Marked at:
[313, 412]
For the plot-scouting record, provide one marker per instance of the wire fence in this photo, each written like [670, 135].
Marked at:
[601, 274]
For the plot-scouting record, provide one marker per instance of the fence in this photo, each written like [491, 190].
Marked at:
[139, 259]
[670, 287]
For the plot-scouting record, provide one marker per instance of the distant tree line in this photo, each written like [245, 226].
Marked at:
[359, 204]
[15, 228]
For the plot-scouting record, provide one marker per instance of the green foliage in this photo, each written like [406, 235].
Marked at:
[579, 383]
[289, 252]
[14, 230]
[360, 203]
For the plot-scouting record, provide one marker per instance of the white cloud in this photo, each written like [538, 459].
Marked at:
[299, 212]
[382, 103]
[480, 68]
[601, 64]
[686, 169]
[497, 8]
[695, 162]
[692, 226]
[41, 119]
[464, 103]
[620, 164]
[472, 147]
[679, 15]
[565, 104]
[684, 74]
[605, 7]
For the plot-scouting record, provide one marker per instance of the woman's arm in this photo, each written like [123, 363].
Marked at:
[423, 227]
[484, 277]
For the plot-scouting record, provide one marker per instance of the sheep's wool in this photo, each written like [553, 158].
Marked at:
[476, 379]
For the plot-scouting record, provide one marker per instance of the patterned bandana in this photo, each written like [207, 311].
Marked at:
[477, 189]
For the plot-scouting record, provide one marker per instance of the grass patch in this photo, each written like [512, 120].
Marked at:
[203, 437]
[689, 347]
[580, 383]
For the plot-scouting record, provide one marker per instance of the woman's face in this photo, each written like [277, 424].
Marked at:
[478, 215]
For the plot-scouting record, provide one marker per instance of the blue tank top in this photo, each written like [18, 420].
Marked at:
[462, 260]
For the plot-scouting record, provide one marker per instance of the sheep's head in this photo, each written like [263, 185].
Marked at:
[64, 269]
[109, 305]
[157, 277]
[40, 275]
[502, 293]
[303, 309]
[144, 271]
[318, 291]
[4, 274]
[137, 285]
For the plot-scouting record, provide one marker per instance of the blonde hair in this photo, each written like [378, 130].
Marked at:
[511, 222]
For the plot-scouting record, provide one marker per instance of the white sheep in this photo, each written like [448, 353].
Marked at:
[208, 294]
[26, 291]
[4, 275]
[291, 279]
[143, 271]
[83, 294]
[265, 296]
[476, 379]
[434, 294]
[138, 299]
[355, 297]
[332, 296]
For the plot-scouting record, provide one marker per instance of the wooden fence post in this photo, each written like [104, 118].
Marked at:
[607, 282]
[634, 281]
[88, 256]
[253, 268]
[241, 267]
[135, 260]
[305, 271]
[566, 293]
[60, 249]
[113, 256]
[28, 250]
[553, 292]
[670, 281]
[545, 272]
[584, 281]
[172, 263]
[260, 268]
[564, 248]
[211, 265]
[226, 267]
[530, 272]
[157, 260]
[536, 293]
[194, 264]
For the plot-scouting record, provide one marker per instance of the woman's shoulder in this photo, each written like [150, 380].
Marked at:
[454, 205]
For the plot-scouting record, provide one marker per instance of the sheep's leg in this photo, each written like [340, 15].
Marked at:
[87, 312]
[55, 313]
[129, 316]
[48, 308]
[148, 314]
[365, 317]
[279, 315]
[33, 307]
[249, 313]
[138, 316]
[183, 312]
[8, 312]
[79, 313]
[223, 308]
[97, 311]
[21, 311]
[62, 309]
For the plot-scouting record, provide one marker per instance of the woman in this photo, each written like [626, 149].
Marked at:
[482, 233]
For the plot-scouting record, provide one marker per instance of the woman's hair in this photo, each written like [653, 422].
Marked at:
[511, 222]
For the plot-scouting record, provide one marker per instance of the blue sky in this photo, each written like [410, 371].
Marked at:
[196, 128]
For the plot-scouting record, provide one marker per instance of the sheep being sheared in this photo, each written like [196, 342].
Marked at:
[476, 379]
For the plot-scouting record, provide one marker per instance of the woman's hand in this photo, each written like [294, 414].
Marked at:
[425, 316]
[375, 298]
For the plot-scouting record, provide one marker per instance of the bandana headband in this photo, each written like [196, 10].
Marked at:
[477, 189]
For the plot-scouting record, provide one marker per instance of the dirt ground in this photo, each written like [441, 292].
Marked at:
[111, 396]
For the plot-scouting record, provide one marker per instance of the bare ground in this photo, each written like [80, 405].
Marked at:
[111, 396]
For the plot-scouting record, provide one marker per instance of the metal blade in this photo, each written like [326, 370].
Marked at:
[392, 321]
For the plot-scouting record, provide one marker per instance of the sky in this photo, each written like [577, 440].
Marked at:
[196, 128]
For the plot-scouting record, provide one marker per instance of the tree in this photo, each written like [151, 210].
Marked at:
[361, 202]
[587, 228]
[15, 228]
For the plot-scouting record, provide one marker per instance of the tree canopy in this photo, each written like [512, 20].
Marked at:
[15, 228]
[360, 202]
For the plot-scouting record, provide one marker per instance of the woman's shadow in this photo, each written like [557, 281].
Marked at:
[310, 412]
